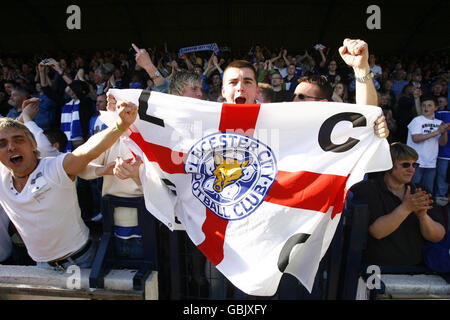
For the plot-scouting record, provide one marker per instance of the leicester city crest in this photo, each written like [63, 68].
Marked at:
[231, 173]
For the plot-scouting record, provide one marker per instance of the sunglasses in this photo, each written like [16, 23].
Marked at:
[302, 96]
[406, 165]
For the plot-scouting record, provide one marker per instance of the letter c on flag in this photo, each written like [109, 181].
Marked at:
[357, 119]
[283, 259]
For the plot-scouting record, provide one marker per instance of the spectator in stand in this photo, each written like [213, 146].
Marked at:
[99, 79]
[186, 84]
[408, 107]
[280, 64]
[425, 135]
[340, 93]
[95, 124]
[443, 103]
[62, 238]
[437, 89]
[385, 104]
[46, 117]
[75, 113]
[331, 73]
[280, 94]
[441, 185]
[18, 96]
[399, 82]
[401, 215]
[387, 88]
[291, 80]
[417, 82]
[376, 69]
[355, 54]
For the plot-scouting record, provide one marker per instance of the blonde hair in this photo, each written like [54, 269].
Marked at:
[8, 123]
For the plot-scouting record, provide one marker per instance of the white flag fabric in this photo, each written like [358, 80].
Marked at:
[258, 188]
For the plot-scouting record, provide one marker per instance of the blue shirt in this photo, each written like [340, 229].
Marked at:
[444, 151]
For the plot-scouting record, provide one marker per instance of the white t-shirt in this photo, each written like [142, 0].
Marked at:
[428, 149]
[46, 212]
[376, 70]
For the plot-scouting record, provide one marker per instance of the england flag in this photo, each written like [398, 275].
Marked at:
[258, 188]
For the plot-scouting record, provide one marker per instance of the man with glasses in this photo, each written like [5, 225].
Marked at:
[401, 214]
[279, 93]
[355, 53]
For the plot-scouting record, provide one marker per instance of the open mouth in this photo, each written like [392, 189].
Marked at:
[240, 100]
[16, 159]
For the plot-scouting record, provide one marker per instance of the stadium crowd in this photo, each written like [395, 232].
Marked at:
[61, 95]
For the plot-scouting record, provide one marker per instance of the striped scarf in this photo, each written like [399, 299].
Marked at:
[70, 122]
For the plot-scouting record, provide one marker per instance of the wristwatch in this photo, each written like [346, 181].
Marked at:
[157, 74]
[366, 78]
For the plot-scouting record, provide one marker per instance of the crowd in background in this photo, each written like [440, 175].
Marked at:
[85, 77]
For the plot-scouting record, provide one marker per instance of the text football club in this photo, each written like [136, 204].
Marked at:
[231, 173]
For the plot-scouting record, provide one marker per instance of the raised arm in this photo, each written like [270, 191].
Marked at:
[144, 61]
[355, 53]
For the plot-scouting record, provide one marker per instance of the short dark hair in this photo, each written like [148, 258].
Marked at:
[24, 91]
[57, 135]
[241, 64]
[326, 91]
[401, 151]
[429, 97]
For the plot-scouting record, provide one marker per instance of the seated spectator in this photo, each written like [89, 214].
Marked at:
[400, 213]
[51, 228]
[425, 135]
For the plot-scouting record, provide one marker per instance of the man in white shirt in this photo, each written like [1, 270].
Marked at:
[39, 194]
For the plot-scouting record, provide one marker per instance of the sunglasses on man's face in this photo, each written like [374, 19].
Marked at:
[406, 165]
[302, 96]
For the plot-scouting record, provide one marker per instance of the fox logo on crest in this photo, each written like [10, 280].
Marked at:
[227, 171]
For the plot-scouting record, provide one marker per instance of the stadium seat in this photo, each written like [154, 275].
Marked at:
[105, 258]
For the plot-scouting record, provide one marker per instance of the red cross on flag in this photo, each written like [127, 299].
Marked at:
[258, 188]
